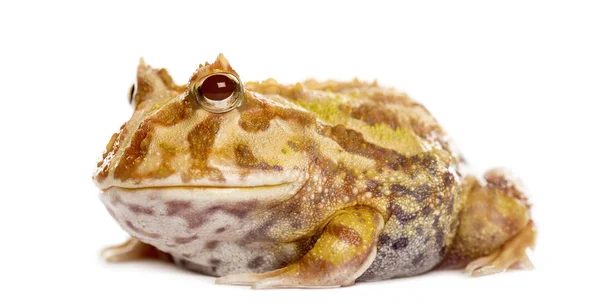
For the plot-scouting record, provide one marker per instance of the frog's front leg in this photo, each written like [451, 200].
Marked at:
[345, 249]
[133, 249]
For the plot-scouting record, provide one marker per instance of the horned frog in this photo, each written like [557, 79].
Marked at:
[317, 184]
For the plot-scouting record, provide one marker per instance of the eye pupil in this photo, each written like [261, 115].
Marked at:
[132, 90]
[217, 87]
[219, 92]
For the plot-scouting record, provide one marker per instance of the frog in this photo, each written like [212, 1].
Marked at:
[316, 184]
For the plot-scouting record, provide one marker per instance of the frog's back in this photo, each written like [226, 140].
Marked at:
[384, 116]
[415, 181]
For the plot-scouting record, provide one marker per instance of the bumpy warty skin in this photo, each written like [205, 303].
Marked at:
[252, 189]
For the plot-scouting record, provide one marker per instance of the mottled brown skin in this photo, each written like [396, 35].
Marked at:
[382, 194]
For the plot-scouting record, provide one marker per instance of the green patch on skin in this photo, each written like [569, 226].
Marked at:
[168, 148]
[400, 139]
[328, 111]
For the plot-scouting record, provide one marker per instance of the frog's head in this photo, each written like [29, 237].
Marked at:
[210, 133]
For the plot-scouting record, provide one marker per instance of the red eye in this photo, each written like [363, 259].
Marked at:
[217, 87]
[219, 92]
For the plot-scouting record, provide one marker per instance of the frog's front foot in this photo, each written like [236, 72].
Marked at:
[133, 249]
[512, 253]
[345, 249]
[287, 277]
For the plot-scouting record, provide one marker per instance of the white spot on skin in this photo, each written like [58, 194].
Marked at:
[387, 192]
[368, 195]
[346, 198]
[354, 190]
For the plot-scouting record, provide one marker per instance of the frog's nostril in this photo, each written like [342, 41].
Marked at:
[219, 92]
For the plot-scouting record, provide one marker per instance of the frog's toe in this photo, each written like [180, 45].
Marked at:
[273, 279]
[287, 277]
[283, 281]
[511, 254]
[132, 249]
[239, 279]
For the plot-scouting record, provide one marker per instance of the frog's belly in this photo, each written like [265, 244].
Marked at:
[217, 234]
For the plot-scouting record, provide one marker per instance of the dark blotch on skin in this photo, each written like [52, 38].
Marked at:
[245, 158]
[384, 238]
[256, 263]
[261, 233]
[201, 139]
[111, 148]
[400, 243]
[400, 190]
[220, 230]
[182, 209]
[403, 217]
[185, 240]
[450, 204]
[215, 262]
[439, 237]
[374, 187]
[135, 153]
[176, 206]
[448, 179]
[345, 234]
[418, 259]
[354, 142]
[140, 231]
[419, 230]
[211, 245]
[442, 252]
[194, 220]
[428, 162]
[422, 193]
[374, 114]
[256, 115]
[138, 209]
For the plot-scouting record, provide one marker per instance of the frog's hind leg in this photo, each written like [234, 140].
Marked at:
[512, 253]
[345, 249]
[133, 249]
[495, 229]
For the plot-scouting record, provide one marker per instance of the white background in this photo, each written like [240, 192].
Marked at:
[516, 84]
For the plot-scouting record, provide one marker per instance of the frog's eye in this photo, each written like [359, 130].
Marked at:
[219, 92]
[132, 91]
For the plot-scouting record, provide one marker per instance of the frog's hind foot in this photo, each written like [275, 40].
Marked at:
[512, 254]
[133, 249]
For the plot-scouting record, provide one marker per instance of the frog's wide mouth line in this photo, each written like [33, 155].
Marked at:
[199, 187]
[201, 194]
[232, 181]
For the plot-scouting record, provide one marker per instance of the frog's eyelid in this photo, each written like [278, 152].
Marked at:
[226, 104]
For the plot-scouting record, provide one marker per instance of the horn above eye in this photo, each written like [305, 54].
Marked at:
[219, 92]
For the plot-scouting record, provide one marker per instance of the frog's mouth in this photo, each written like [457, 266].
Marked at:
[226, 181]
[199, 198]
